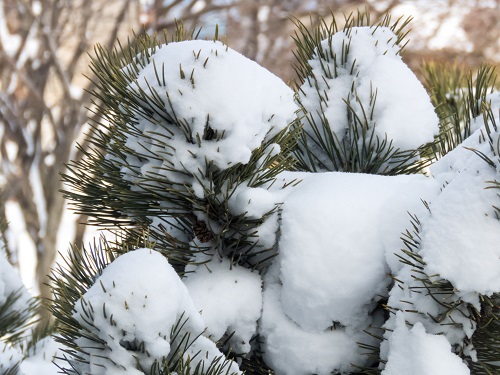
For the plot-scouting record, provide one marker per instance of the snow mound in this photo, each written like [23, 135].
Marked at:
[229, 299]
[225, 106]
[462, 236]
[291, 350]
[134, 307]
[372, 78]
[457, 244]
[338, 234]
[334, 236]
[415, 352]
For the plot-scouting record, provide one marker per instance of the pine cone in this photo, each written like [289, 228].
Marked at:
[202, 232]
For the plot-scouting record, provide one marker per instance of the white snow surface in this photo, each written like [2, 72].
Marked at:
[291, 350]
[403, 111]
[460, 241]
[41, 357]
[139, 298]
[39, 360]
[405, 296]
[415, 352]
[338, 235]
[337, 232]
[229, 299]
[234, 95]
[9, 357]
[10, 282]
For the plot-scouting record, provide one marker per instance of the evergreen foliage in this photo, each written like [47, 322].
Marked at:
[459, 110]
[172, 212]
[15, 322]
[191, 226]
[358, 148]
[72, 280]
[459, 97]
[18, 316]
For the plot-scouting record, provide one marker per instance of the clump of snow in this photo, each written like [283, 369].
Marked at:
[332, 248]
[291, 350]
[256, 203]
[413, 351]
[229, 299]
[371, 74]
[462, 236]
[134, 307]
[227, 104]
[420, 307]
[458, 244]
[213, 109]
[336, 234]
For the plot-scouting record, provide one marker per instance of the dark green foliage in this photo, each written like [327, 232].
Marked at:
[486, 337]
[16, 317]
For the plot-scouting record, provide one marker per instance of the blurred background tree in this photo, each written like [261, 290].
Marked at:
[45, 105]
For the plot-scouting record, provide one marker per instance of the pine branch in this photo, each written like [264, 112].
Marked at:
[99, 185]
[459, 97]
[359, 148]
[15, 319]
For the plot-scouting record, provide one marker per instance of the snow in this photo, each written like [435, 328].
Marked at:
[372, 72]
[38, 360]
[458, 243]
[420, 307]
[10, 282]
[291, 350]
[41, 357]
[332, 246]
[229, 299]
[241, 101]
[461, 238]
[138, 299]
[338, 234]
[415, 352]
[9, 357]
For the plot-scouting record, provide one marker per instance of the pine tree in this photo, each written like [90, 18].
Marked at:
[197, 167]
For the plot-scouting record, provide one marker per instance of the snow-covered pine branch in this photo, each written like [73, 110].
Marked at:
[279, 270]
